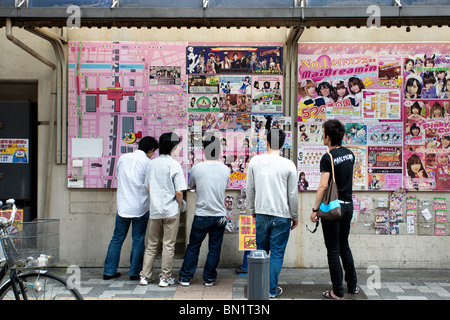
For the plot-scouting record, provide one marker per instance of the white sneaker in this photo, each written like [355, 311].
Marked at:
[143, 281]
[208, 284]
[165, 282]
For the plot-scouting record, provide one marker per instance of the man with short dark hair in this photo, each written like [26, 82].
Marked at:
[165, 181]
[209, 179]
[336, 232]
[272, 198]
[132, 208]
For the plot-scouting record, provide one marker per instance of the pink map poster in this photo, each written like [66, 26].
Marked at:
[119, 92]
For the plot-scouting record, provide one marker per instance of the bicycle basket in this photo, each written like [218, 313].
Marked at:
[32, 244]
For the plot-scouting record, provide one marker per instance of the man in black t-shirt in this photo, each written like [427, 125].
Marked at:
[336, 232]
[344, 160]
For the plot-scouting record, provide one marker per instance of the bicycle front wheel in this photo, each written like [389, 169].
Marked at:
[40, 286]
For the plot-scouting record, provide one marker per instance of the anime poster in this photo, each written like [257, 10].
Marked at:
[308, 161]
[14, 150]
[384, 133]
[355, 134]
[267, 94]
[226, 59]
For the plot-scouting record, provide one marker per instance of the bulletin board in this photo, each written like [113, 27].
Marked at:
[394, 101]
[121, 91]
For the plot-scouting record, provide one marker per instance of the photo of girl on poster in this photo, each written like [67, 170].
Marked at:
[418, 176]
[355, 87]
[413, 86]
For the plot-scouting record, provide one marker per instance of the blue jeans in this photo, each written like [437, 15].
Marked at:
[202, 226]
[335, 234]
[272, 235]
[138, 230]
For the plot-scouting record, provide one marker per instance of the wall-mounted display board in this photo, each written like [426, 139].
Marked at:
[394, 100]
[122, 91]
[118, 93]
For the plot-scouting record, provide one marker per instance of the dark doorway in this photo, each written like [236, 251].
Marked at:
[18, 145]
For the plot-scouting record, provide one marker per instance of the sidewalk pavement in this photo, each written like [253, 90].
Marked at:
[297, 284]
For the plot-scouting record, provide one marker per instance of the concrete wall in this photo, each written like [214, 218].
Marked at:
[87, 216]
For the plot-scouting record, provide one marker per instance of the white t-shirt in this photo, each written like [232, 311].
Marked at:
[164, 177]
[132, 195]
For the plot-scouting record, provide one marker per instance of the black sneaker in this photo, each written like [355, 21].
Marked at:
[106, 277]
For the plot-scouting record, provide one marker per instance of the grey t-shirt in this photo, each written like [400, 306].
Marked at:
[210, 179]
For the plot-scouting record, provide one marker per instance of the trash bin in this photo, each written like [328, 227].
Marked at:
[258, 275]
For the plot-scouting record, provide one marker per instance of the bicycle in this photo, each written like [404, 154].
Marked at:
[24, 254]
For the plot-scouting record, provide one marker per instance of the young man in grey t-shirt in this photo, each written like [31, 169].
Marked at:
[272, 198]
[209, 179]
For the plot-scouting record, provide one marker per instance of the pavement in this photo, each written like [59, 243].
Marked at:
[297, 283]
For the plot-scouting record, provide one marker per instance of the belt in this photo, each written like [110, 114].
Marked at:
[345, 202]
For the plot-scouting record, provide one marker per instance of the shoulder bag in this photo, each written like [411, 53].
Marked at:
[330, 208]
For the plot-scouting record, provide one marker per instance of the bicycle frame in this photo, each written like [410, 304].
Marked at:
[13, 276]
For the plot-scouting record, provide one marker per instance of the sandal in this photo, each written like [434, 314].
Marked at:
[329, 295]
[354, 292]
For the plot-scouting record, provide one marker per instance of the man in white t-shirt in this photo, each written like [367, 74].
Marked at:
[166, 182]
[132, 208]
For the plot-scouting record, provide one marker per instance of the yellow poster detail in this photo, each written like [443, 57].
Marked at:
[247, 233]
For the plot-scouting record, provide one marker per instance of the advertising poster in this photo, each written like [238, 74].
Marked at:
[387, 95]
[14, 150]
[384, 168]
[258, 134]
[360, 168]
[226, 59]
[240, 84]
[381, 104]
[384, 133]
[310, 133]
[267, 94]
[427, 137]
[308, 160]
[247, 233]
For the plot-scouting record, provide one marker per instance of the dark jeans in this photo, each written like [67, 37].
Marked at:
[138, 230]
[335, 234]
[202, 226]
[272, 235]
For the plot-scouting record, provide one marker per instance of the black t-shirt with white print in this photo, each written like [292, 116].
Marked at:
[344, 160]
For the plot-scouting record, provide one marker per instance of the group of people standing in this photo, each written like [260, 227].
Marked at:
[150, 192]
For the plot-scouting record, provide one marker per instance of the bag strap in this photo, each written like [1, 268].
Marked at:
[332, 165]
